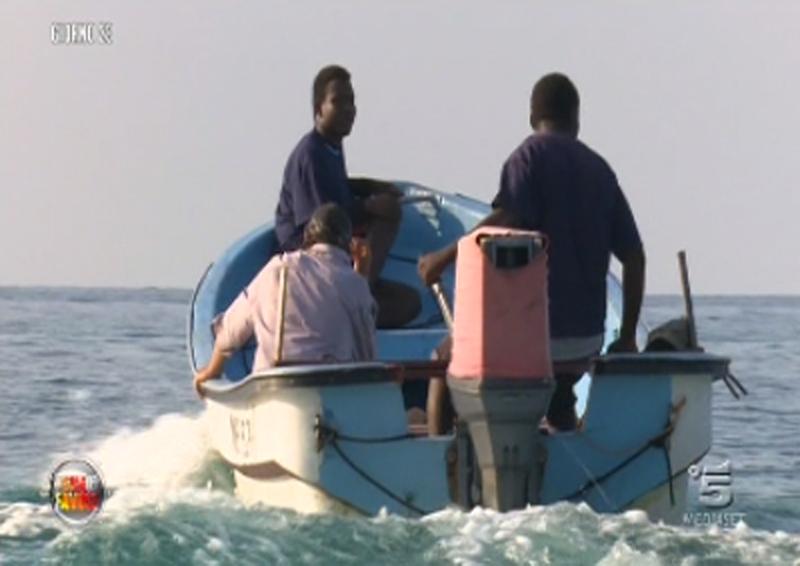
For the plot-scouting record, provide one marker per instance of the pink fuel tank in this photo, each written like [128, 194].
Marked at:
[501, 327]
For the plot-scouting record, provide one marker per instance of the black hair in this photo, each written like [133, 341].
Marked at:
[555, 98]
[324, 76]
[330, 224]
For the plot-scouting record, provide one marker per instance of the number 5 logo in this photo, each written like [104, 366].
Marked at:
[715, 486]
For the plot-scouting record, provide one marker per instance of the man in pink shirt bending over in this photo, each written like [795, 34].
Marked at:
[329, 311]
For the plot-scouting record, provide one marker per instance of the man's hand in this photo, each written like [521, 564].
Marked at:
[431, 266]
[201, 377]
[622, 346]
[362, 256]
[632, 294]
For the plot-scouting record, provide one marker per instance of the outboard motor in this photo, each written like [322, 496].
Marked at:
[501, 374]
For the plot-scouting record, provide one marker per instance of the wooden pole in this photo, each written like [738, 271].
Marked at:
[438, 292]
[687, 300]
[282, 284]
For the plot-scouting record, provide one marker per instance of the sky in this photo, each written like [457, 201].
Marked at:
[137, 163]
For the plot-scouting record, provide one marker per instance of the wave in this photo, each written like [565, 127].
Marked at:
[172, 502]
[163, 455]
[217, 530]
[166, 462]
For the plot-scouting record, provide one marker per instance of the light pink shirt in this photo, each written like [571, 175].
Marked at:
[329, 317]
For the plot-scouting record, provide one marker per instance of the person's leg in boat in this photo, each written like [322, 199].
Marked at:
[561, 412]
[561, 415]
[441, 414]
[380, 215]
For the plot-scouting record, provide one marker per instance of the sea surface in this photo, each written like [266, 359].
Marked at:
[103, 374]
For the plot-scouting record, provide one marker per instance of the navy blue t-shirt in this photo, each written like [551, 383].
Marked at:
[556, 184]
[315, 174]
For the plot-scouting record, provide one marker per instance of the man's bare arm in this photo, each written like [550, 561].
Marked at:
[212, 371]
[633, 277]
[431, 266]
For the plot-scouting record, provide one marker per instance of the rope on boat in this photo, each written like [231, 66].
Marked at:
[734, 385]
[329, 433]
[330, 436]
[589, 475]
[657, 441]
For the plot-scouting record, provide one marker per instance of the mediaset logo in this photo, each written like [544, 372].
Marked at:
[76, 491]
[81, 33]
[715, 493]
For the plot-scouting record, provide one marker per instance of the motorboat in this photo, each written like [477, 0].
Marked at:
[337, 438]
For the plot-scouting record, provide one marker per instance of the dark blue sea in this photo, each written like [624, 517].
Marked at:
[103, 374]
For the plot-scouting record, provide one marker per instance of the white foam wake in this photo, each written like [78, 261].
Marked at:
[162, 457]
[153, 468]
[567, 533]
[143, 470]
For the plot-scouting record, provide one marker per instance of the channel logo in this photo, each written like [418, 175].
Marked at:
[76, 491]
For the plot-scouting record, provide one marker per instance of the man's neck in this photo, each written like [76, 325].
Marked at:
[330, 249]
[551, 127]
[329, 137]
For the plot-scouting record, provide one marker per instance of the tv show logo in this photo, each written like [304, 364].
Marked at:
[76, 491]
[715, 493]
[81, 33]
[716, 490]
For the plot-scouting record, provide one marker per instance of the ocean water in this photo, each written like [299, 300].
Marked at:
[103, 374]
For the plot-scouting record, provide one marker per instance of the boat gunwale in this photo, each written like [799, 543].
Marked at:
[660, 363]
[307, 375]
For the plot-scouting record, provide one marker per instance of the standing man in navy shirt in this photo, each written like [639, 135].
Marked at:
[556, 184]
[315, 174]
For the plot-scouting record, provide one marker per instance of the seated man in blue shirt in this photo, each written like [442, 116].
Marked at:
[315, 174]
[556, 184]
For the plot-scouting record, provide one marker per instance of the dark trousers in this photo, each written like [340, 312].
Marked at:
[561, 413]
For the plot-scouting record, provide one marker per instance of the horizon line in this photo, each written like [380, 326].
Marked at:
[79, 287]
